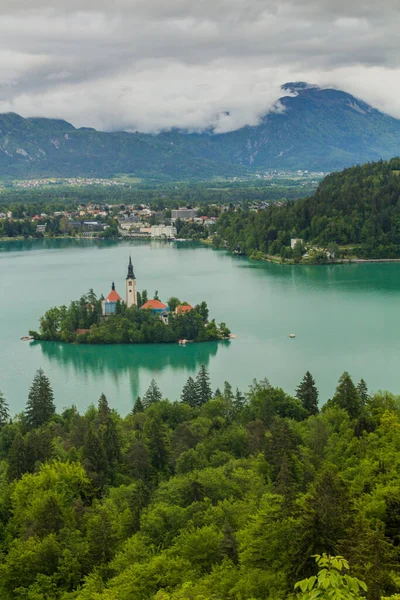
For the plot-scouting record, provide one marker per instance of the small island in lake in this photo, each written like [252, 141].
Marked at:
[138, 320]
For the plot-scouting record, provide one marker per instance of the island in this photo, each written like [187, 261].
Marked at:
[138, 320]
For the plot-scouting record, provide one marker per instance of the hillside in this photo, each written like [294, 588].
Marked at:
[314, 129]
[358, 206]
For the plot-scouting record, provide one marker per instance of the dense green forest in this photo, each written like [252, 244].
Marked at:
[359, 206]
[219, 495]
[82, 323]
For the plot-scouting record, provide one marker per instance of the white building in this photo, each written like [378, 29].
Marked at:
[183, 213]
[163, 231]
[295, 241]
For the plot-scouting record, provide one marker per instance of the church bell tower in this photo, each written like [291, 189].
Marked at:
[131, 293]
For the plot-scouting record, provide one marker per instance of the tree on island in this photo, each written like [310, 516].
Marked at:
[173, 302]
[203, 387]
[152, 395]
[40, 406]
[190, 393]
[4, 411]
[156, 297]
[202, 309]
[307, 393]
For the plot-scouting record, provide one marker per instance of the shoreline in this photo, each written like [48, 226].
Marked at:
[207, 242]
[38, 341]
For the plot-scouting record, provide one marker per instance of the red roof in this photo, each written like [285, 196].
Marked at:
[113, 296]
[183, 308]
[154, 305]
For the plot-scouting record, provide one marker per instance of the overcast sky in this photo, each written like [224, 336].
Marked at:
[149, 65]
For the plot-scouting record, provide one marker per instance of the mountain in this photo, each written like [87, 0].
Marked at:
[311, 128]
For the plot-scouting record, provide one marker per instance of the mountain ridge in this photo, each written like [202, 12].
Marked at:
[318, 128]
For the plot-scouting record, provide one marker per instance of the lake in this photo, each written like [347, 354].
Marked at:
[345, 317]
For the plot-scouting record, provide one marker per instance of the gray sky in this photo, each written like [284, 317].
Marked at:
[155, 64]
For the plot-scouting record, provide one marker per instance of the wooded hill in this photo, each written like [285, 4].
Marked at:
[359, 206]
[215, 496]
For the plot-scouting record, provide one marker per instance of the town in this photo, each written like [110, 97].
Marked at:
[108, 221]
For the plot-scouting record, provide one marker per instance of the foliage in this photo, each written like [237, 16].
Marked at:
[40, 406]
[4, 411]
[229, 496]
[357, 208]
[82, 323]
[330, 583]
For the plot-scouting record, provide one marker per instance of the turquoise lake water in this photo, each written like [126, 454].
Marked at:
[345, 317]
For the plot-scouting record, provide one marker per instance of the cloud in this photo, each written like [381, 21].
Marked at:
[150, 65]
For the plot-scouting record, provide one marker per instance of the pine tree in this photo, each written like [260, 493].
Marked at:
[152, 395]
[112, 446]
[307, 393]
[239, 400]
[108, 436]
[362, 390]
[346, 396]
[217, 393]
[138, 406]
[228, 394]
[93, 452]
[17, 458]
[157, 437]
[189, 393]
[203, 386]
[40, 406]
[103, 408]
[4, 411]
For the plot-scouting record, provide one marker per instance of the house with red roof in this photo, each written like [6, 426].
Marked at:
[158, 308]
[109, 305]
[181, 309]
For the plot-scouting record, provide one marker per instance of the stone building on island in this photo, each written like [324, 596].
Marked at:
[109, 305]
[161, 310]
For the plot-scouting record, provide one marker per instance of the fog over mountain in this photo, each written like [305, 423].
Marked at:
[154, 65]
[309, 128]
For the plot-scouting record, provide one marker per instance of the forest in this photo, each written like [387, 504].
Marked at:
[215, 495]
[158, 196]
[82, 323]
[358, 207]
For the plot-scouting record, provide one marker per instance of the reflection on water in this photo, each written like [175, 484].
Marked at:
[121, 360]
[358, 278]
[76, 244]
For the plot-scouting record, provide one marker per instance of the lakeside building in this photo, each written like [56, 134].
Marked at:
[295, 241]
[109, 305]
[183, 213]
[163, 231]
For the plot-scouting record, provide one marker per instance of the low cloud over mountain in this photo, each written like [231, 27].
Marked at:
[153, 65]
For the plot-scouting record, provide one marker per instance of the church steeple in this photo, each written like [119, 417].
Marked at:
[131, 293]
[131, 274]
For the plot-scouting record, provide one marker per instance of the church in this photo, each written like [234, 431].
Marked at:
[109, 305]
